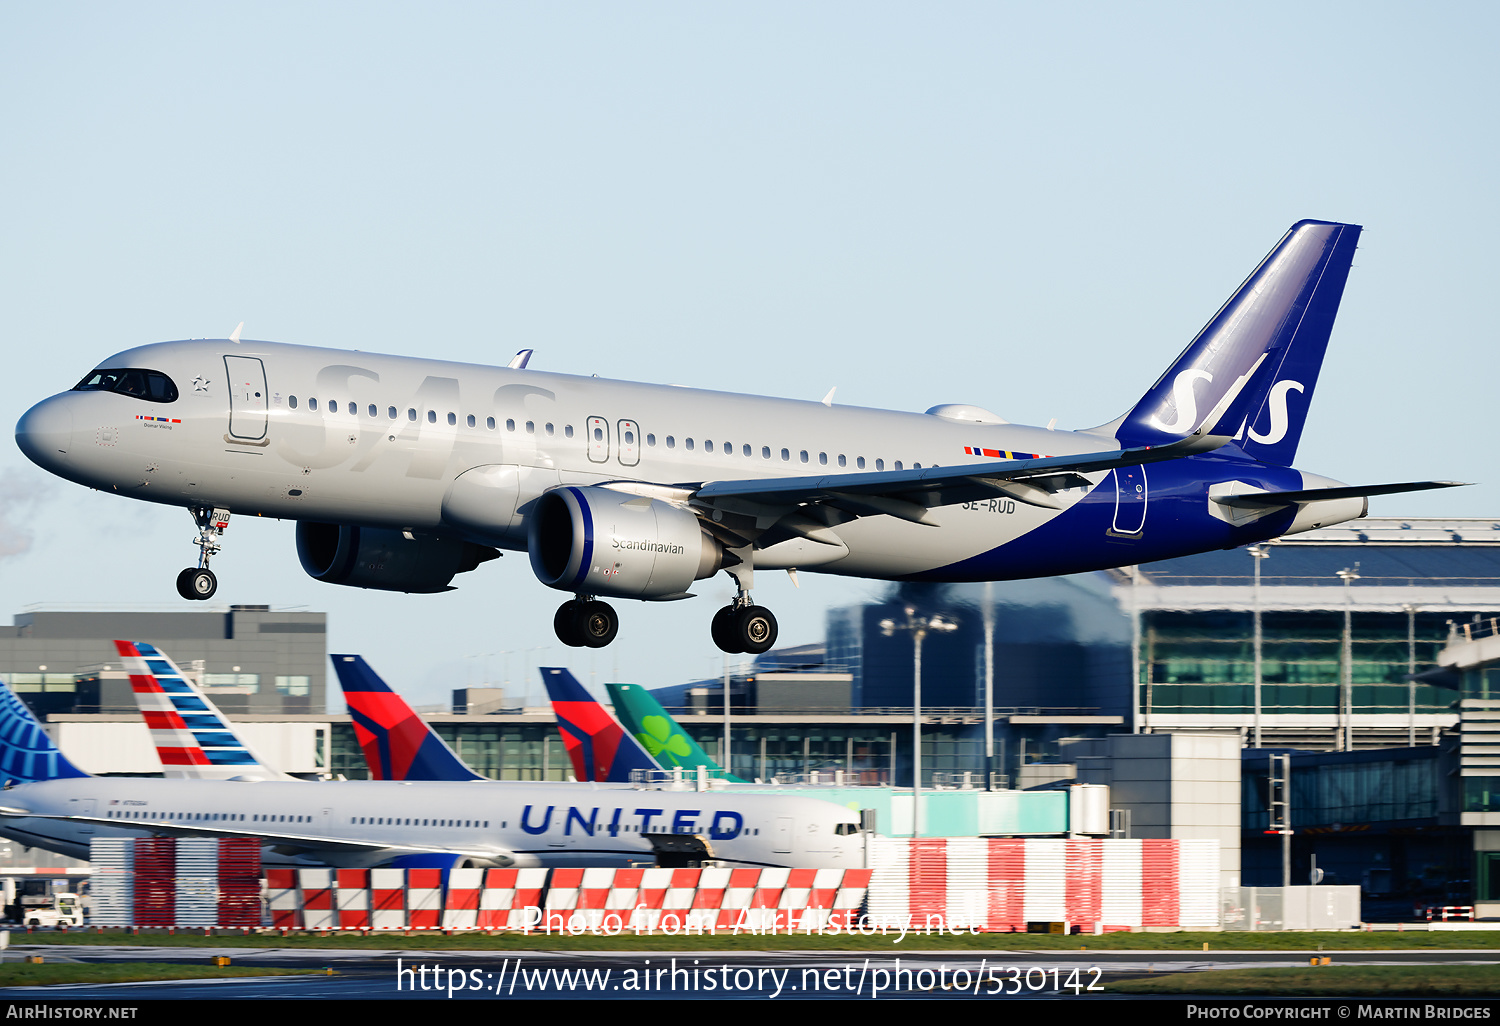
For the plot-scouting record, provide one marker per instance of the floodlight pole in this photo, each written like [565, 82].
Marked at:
[989, 685]
[1346, 685]
[1259, 552]
[918, 626]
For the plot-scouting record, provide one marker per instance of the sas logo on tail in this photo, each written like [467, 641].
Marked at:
[1280, 418]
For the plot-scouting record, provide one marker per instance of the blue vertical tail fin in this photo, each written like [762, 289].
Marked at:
[27, 754]
[1236, 379]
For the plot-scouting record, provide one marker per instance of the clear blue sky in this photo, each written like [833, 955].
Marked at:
[1031, 207]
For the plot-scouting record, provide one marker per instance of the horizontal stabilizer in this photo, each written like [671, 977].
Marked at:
[1261, 500]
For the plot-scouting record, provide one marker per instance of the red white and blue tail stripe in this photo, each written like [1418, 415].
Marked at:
[192, 738]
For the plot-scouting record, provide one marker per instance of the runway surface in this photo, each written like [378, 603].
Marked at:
[383, 975]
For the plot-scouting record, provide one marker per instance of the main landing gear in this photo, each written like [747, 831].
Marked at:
[586, 622]
[742, 626]
[198, 582]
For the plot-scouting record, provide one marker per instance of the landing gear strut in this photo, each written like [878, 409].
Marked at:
[743, 626]
[198, 582]
[586, 623]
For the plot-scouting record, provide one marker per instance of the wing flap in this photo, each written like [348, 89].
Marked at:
[927, 487]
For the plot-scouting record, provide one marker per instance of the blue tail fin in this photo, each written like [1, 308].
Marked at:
[27, 754]
[1235, 378]
[397, 743]
[600, 748]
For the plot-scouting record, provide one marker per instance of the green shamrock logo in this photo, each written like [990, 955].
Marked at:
[659, 738]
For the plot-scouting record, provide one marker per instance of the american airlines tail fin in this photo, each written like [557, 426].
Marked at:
[397, 743]
[27, 754]
[600, 748]
[193, 739]
[1249, 374]
[663, 738]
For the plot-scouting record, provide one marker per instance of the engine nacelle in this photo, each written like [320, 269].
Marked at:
[377, 557]
[597, 541]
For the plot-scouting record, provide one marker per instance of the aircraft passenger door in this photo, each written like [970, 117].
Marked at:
[598, 429]
[781, 837]
[630, 443]
[83, 807]
[247, 396]
[1130, 501]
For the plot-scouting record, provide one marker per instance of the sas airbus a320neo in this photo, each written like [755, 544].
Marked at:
[403, 471]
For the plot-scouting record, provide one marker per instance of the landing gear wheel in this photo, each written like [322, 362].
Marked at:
[755, 629]
[565, 624]
[197, 583]
[597, 624]
[722, 631]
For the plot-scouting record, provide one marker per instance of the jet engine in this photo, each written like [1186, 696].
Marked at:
[375, 557]
[598, 541]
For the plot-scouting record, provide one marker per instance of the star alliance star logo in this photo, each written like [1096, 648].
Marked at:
[200, 384]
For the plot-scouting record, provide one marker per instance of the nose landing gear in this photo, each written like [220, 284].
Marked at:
[198, 583]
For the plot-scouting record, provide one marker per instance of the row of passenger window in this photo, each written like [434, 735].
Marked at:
[391, 413]
[206, 816]
[803, 455]
[397, 821]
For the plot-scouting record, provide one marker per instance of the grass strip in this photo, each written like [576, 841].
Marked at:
[23, 974]
[725, 940]
[1446, 981]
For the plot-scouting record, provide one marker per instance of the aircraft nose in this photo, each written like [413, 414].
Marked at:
[45, 433]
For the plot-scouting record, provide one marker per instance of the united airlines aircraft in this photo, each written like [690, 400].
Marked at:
[50, 803]
[403, 472]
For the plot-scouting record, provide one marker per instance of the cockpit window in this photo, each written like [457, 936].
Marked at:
[153, 386]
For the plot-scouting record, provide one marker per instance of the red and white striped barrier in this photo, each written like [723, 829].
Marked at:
[572, 901]
[694, 900]
[1002, 884]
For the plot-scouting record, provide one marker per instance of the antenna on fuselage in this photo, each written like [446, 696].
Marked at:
[518, 362]
[828, 399]
[234, 336]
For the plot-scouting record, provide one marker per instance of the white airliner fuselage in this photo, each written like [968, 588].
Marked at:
[405, 471]
[366, 823]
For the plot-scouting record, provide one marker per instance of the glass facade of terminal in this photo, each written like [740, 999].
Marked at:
[534, 751]
[1204, 662]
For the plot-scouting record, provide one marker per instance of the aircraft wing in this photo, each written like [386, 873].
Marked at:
[908, 494]
[285, 842]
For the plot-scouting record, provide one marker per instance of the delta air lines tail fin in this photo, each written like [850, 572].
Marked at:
[600, 748]
[27, 754]
[193, 740]
[664, 739]
[397, 743]
[1249, 375]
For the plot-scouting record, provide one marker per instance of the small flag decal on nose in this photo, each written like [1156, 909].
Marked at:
[159, 420]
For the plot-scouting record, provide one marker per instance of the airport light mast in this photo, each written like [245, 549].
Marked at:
[918, 626]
